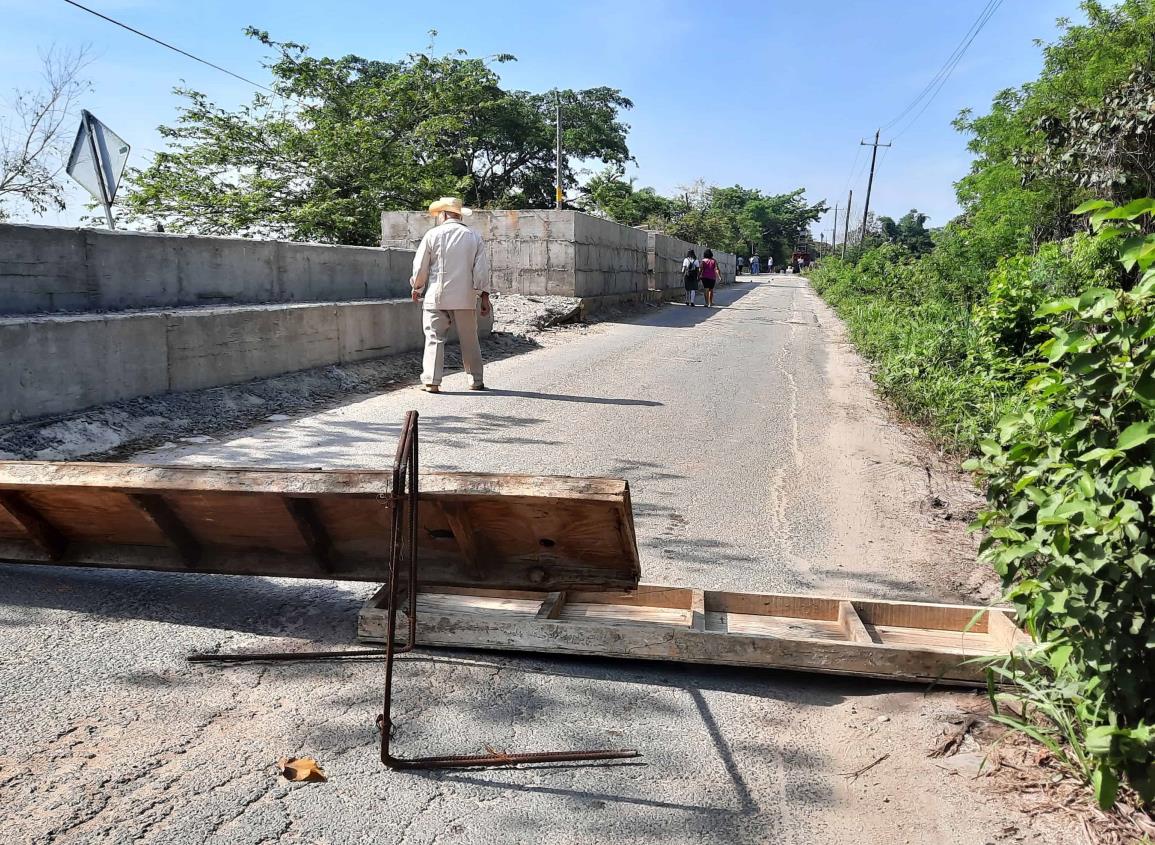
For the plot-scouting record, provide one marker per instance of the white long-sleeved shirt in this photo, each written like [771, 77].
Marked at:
[451, 266]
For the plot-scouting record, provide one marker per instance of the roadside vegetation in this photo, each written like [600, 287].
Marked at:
[1024, 335]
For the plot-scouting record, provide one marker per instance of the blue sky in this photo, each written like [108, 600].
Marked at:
[764, 93]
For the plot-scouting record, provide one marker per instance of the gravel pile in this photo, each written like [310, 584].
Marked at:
[519, 314]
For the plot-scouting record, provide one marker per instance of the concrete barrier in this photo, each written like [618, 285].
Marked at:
[545, 252]
[665, 256]
[60, 363]
[50, 269]
[57, 364]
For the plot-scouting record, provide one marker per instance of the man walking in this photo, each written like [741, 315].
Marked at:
[452, 270]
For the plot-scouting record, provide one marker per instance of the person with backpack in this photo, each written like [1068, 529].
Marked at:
[690, 269]
[709, 271]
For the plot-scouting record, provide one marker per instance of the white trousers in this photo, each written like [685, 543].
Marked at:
[436, 325]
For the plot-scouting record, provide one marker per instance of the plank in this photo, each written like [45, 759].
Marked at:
[835, 639]
[497, 531]
[551, 606]
[43, 535]
[169, 524]
[698, 610]
[312, 530]
[55, 475]
[467, 539]
[851, 624]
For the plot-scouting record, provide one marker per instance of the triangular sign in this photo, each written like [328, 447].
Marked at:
[98, 158]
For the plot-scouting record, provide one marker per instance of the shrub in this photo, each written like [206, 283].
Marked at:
[1071, 522]
[1020, 285]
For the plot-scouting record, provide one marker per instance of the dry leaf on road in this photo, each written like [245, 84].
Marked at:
[301, 769]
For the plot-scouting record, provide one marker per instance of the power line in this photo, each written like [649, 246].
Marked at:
[853, 164]
[944, 74]
[953, 59]
[173, 48]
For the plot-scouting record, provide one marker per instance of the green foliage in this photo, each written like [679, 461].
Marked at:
[736, 219]
[910, 232]
[354, 136]
[927, 354]
[1065, 436]
[1006, 319]
[1011, 202]
[1108, 147]
[1071, 513]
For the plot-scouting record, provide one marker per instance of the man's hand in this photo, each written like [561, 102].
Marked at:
[485, 306]
[416, 295]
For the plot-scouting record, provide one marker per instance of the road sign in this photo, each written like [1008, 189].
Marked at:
[98, 160]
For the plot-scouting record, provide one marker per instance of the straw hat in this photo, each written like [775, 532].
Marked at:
[449, 204]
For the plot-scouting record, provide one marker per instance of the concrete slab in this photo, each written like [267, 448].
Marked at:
[58, 364]
[46, 269]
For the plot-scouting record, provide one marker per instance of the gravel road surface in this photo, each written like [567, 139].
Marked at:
[759, 459]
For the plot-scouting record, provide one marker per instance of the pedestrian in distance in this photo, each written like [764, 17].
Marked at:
[451, 279]
[690, 269]
[755, 264]
[709, 272]
[769, 263]
[738, 265]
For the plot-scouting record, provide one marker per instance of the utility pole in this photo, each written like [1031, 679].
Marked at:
[834, 234]
[846, 224]
[559, 194]
[870, 182]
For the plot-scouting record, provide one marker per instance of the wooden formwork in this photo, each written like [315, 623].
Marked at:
[882, 639]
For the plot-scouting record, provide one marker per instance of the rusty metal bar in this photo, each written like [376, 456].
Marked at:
[403, 500]
[404, 545]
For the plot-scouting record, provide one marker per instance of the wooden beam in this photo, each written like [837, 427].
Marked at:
[468, 540]
[551, 607]
[851, 624]
[598, 624]
[500, 531]
[698, 610]
[154, 478]
[41, 532]
[161, 514]
[1004, 631]
[312, 530]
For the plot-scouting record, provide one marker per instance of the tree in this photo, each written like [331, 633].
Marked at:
[610, 194]
[346, 138]
[1108, 148]
[35, 140]
[734, 219]
[910, 232]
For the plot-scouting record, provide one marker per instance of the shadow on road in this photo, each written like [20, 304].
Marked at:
[562, 397]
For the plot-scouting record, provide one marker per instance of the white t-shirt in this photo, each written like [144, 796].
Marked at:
[688, 262]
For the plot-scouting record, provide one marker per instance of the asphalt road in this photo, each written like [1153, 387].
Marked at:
[758, 460]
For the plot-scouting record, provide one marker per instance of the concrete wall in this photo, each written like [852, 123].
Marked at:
[611, 259]
[50, 269]
[60, 363]
[665, 260]
[565, 253]
[543, 252]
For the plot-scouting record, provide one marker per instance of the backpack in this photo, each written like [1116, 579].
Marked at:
[691, 274]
